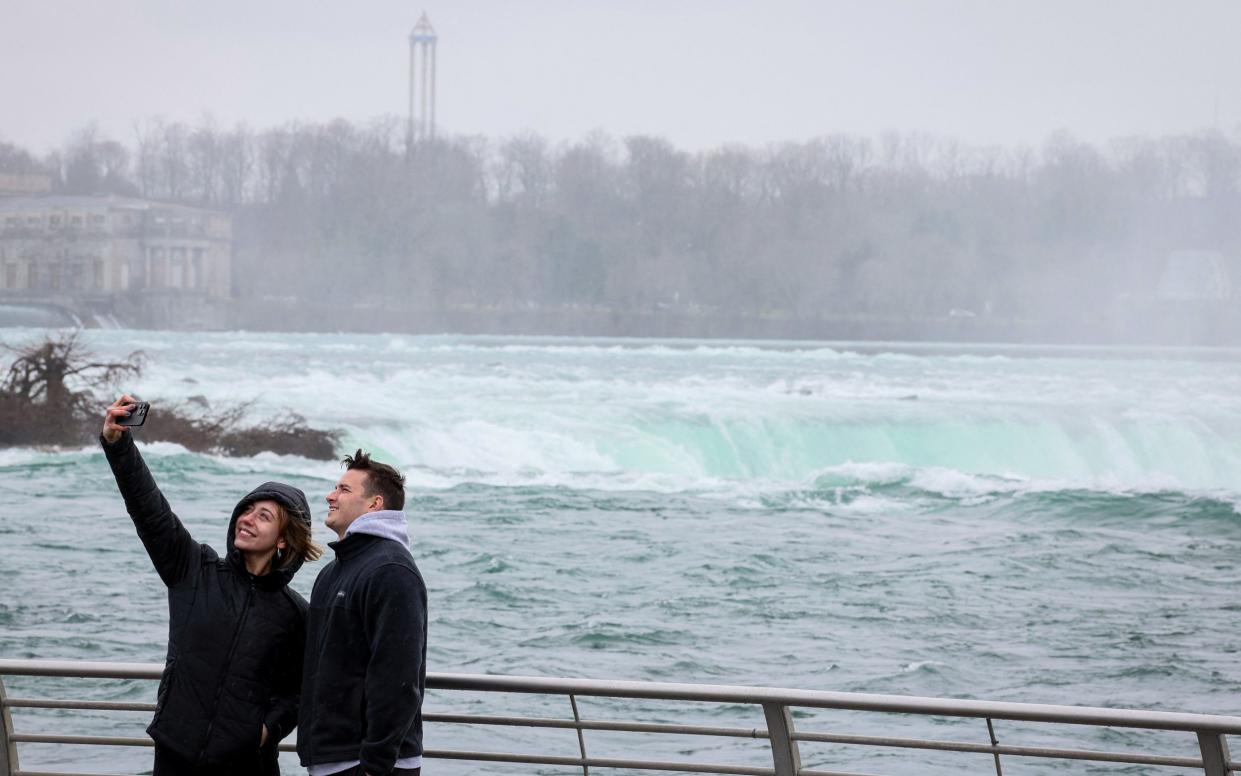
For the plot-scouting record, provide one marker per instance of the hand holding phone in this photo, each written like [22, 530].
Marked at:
[122, 414]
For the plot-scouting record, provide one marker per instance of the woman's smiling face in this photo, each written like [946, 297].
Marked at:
[259, 529]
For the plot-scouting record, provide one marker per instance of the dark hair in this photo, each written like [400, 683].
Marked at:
[381, 479]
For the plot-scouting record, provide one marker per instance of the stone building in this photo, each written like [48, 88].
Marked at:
[144, 262]
[25, 183]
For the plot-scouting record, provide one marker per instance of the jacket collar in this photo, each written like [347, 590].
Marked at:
[353, 544]
[272, 580]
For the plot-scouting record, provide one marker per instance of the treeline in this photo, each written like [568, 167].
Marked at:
[900, 225]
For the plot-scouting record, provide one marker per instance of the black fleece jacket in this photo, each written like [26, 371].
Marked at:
[235, 641]
[366, 653]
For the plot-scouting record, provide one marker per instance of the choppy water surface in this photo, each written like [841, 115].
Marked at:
[1049, 526]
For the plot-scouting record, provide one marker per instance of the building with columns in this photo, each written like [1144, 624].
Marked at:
[111, 253]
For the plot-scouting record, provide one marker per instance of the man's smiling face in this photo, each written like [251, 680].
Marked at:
[348, 501]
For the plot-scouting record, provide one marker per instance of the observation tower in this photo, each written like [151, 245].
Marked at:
[422, 80]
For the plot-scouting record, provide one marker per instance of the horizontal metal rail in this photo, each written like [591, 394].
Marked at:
[899, 704]
[600, 762]
[714, 693]
[39, 703]
[1022, 751]
[774, 704]
[40, 738]
[620, 726]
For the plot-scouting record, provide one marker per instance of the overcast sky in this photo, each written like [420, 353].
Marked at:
[700, 72]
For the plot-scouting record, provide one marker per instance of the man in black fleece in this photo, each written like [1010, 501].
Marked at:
[366, 642]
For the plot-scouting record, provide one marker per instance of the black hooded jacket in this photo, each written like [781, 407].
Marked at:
[235, 641]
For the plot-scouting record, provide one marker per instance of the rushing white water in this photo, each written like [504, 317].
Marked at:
[677, 418]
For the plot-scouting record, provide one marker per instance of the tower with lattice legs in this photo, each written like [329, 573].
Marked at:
[422, 80]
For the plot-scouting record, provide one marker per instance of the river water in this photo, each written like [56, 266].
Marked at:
[1043, 525]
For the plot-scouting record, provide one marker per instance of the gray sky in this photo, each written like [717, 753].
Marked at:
[700, 72]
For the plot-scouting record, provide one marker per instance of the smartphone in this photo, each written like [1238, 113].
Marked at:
[137, 416]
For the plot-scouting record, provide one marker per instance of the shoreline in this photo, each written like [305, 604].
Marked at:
[1150, 325]
[1156, 325]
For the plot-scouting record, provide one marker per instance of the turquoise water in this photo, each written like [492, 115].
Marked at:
[1034, 525]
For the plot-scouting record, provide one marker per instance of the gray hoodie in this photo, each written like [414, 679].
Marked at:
[386, 524]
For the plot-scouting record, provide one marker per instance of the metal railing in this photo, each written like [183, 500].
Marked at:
[777, 706]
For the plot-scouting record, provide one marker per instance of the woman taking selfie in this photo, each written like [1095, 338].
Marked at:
[230, 686]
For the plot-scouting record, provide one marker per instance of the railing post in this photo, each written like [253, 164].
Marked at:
[8, 747]
[784, 754]
[581, 739]
[1214, 754]
[994, 742]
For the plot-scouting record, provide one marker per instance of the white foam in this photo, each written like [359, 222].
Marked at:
[963, 485]
[25, 456]
[870, 472]
[693, 415]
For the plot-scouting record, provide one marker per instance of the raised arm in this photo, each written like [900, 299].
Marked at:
[395, 618]
[173, 551]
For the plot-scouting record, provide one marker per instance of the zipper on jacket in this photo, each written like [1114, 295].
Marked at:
[228, 660]
[309, 702]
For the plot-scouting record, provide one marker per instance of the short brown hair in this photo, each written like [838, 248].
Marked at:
[381, 479]
[296, 533]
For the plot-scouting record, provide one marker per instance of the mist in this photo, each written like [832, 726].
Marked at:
[975, 172]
